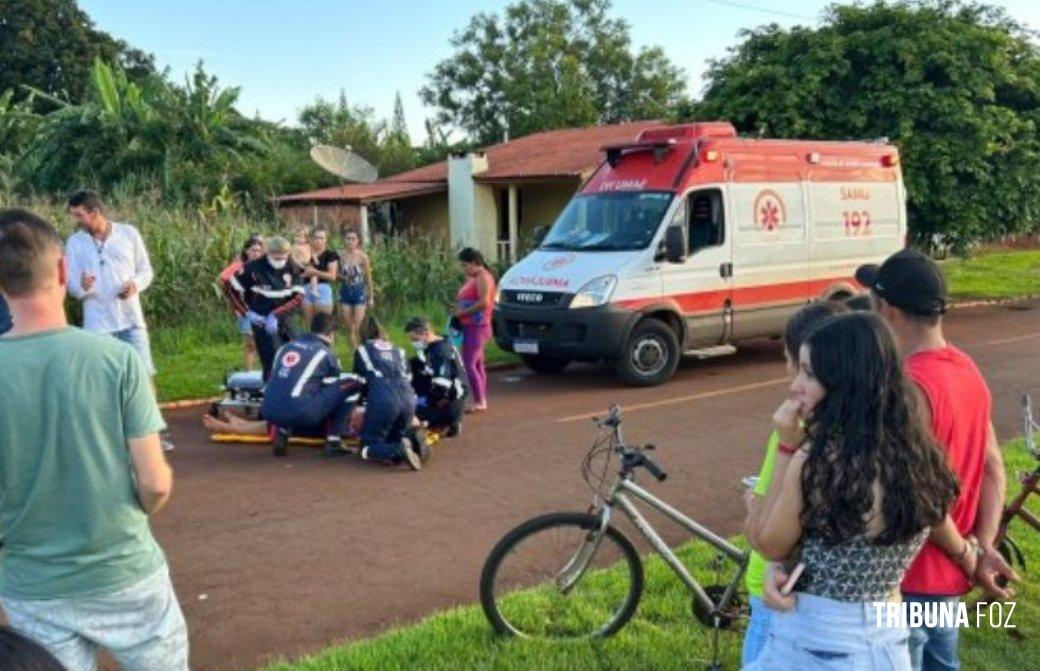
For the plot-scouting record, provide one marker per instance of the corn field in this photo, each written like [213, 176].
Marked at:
[190, 246]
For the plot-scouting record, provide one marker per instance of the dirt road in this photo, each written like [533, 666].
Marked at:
[282, 557]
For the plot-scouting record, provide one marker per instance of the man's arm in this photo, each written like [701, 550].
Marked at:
[143, 274]
[75, 270]
[991, 492]
[992, 566]
[153, 477]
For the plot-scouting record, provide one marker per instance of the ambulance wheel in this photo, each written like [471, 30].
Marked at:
[545, 364]
[650, 356]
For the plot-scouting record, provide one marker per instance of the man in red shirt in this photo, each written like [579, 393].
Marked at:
[909, 292]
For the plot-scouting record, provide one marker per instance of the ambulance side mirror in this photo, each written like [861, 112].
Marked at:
[675, 244]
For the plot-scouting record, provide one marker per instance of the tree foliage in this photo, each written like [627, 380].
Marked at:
[384, 145]
[549, 64]
[50, 46]
[956, 86]
[187, 139]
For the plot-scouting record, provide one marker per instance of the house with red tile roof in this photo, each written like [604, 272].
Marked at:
[492, 199]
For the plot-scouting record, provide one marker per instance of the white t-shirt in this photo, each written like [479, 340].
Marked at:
[121, 257]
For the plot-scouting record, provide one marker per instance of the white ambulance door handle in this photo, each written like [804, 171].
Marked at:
[726, 270]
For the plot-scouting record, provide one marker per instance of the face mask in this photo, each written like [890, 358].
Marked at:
[419, 345]
[277, 265]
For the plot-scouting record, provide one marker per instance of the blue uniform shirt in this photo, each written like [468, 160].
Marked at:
[301, 368]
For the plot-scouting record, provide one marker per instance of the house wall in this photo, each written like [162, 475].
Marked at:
[425, 215]
[472, 209]
[541, 203]
[335, 216]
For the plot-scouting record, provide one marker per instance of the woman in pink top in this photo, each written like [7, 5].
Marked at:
[473, 310]
[253, 249]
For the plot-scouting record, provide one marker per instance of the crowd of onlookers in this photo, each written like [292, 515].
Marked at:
[882, 480]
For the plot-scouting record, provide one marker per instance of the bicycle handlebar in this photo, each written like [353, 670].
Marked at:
[633, 459]
[653, 468]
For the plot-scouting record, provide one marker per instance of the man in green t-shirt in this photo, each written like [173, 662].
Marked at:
[81, 468]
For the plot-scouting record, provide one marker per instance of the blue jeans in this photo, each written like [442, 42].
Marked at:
[137, 337]
[825, 634]
[322, 298]
[353, 294]
[757, 632]
[933, 648]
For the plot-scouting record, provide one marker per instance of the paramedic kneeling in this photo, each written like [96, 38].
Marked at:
[390, 401]
[438, 377]
[307, 390]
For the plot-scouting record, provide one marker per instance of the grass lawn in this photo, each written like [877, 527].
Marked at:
[994, 275]
[191, 360]
[663, 634]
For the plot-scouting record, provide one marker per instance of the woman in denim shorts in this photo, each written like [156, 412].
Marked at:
[858, 485]
[318, 274]
[355, 285]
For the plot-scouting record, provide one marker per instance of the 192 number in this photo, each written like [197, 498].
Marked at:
[857, 222]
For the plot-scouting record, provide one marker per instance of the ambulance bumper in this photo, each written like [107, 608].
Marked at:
[587, 334]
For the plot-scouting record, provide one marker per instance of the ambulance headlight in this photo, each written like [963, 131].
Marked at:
[595, 293]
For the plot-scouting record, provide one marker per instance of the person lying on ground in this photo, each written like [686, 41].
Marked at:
[230, 423]
[307, 388]
[438, 378]
[390, 400]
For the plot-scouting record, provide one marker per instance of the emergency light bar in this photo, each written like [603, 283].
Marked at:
[616, 151]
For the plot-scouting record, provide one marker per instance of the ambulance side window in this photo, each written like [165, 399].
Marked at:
[707, 225]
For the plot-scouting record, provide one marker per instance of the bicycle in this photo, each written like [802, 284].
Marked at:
[1006, 545]
[588, 581]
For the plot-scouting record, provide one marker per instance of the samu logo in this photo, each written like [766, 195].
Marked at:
[557, 262]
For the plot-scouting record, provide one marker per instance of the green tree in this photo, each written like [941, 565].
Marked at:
[955, 86]
[549, 64]
[344, 125]
[51, 45]
[387, 146]
[396, 152]
[188, 140]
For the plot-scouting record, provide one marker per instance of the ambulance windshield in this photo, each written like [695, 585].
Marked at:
[615, 221]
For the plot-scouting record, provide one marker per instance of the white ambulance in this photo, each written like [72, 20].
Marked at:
[691, 237]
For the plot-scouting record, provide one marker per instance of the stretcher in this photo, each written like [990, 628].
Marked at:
[432, 438]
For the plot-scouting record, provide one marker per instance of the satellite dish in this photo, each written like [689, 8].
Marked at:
[344, 163]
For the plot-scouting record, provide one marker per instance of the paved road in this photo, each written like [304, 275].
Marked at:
[282, 557]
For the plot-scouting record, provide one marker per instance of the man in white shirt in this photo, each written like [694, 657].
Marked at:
[108, 270]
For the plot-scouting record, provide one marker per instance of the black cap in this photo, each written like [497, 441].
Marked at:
[908, 280]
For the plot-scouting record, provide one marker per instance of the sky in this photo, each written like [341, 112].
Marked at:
[283, 54]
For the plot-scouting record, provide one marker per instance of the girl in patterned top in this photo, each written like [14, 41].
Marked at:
[858, 485]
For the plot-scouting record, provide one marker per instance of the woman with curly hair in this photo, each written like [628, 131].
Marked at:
[859, 485]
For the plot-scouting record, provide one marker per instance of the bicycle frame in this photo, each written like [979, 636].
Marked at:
[620, 498]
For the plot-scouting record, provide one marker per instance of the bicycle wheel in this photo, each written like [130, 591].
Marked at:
[555, 577]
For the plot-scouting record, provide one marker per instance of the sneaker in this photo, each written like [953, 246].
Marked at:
[454, 430]
[281, 444]
[334, 448]
[412, 457]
